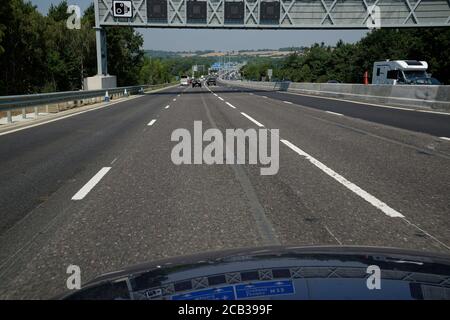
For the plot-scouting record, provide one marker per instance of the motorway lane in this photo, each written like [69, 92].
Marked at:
[410, 177]
[145, 207]
[375, 163]
[437, 124]
[37, 161]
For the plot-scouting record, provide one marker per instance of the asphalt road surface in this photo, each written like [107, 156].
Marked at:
[99, 189]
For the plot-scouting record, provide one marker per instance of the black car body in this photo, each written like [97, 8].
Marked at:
[289, 273]
[196, 83]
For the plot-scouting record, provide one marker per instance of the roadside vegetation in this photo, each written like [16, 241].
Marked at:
[38, 53]
[347, 62]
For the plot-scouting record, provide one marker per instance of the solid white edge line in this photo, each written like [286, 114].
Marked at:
[220, 98]
[288, 102]
[365, 103]
[91, 184]
[349, 185]
[77, 113]
[252, 120]
[335, 113]
[65, 117]
[230, 105]
[445, 138]
[151, 122]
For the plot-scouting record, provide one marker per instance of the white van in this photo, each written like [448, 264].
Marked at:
[399, 71]
[184, 81]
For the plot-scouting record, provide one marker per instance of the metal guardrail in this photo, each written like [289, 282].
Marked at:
[415, 96]
[21, 102]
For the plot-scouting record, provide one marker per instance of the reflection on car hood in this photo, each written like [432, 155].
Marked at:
[280, 273]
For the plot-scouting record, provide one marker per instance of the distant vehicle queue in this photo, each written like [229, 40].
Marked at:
[195, 82]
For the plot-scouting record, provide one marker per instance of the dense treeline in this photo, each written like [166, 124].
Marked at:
[347, 62]
[40, 54]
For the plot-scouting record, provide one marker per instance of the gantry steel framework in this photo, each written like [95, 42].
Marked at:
[280, 14]
[268, 14]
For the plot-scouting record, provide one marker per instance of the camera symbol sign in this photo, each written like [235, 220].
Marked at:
[122, 9]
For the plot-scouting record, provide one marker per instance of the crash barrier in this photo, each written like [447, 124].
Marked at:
[418, 96]
[59, 101]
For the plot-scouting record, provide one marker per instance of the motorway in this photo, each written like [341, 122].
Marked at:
[99, 189]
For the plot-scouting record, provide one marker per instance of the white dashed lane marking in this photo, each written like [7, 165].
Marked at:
[252, 120]
[91, 184]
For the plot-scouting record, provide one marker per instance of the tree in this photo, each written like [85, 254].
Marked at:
[21, 61]
[154, 71]
[40, 54]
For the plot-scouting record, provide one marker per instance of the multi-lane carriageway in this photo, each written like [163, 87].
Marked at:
[99, 190]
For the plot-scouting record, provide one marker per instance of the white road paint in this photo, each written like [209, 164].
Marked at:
[349, 185]
[91, 184]
[215, 94]
[445, 138]
[112, 162]
[151, 122]
[167, 107]
[429, 111]
[80, 112]
[220, 98]
[365, 103]
[335, 113]
[67, 116]
[229, 104]
[174, 99]
[332, 234]
[288, 102]
[265, 97]
[252, 120]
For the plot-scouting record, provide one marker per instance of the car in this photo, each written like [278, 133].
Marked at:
[211, 81]
[196, 83]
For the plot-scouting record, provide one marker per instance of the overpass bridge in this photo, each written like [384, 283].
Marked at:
[275, 14]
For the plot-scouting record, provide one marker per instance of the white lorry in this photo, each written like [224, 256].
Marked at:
[402, 72]
[184, 80]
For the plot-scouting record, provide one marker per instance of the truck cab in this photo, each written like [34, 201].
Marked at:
[399, 71]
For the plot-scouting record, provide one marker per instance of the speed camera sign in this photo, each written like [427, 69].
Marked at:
[122, 9]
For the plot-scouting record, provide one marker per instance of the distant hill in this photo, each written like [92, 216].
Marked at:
[172, 54]
[269, 53]
[161, 54]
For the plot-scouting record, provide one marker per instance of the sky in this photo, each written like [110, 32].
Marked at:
[225, 40]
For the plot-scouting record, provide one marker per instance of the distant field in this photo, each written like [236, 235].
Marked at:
[208, 53]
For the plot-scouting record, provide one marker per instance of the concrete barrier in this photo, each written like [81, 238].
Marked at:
[416, 96]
